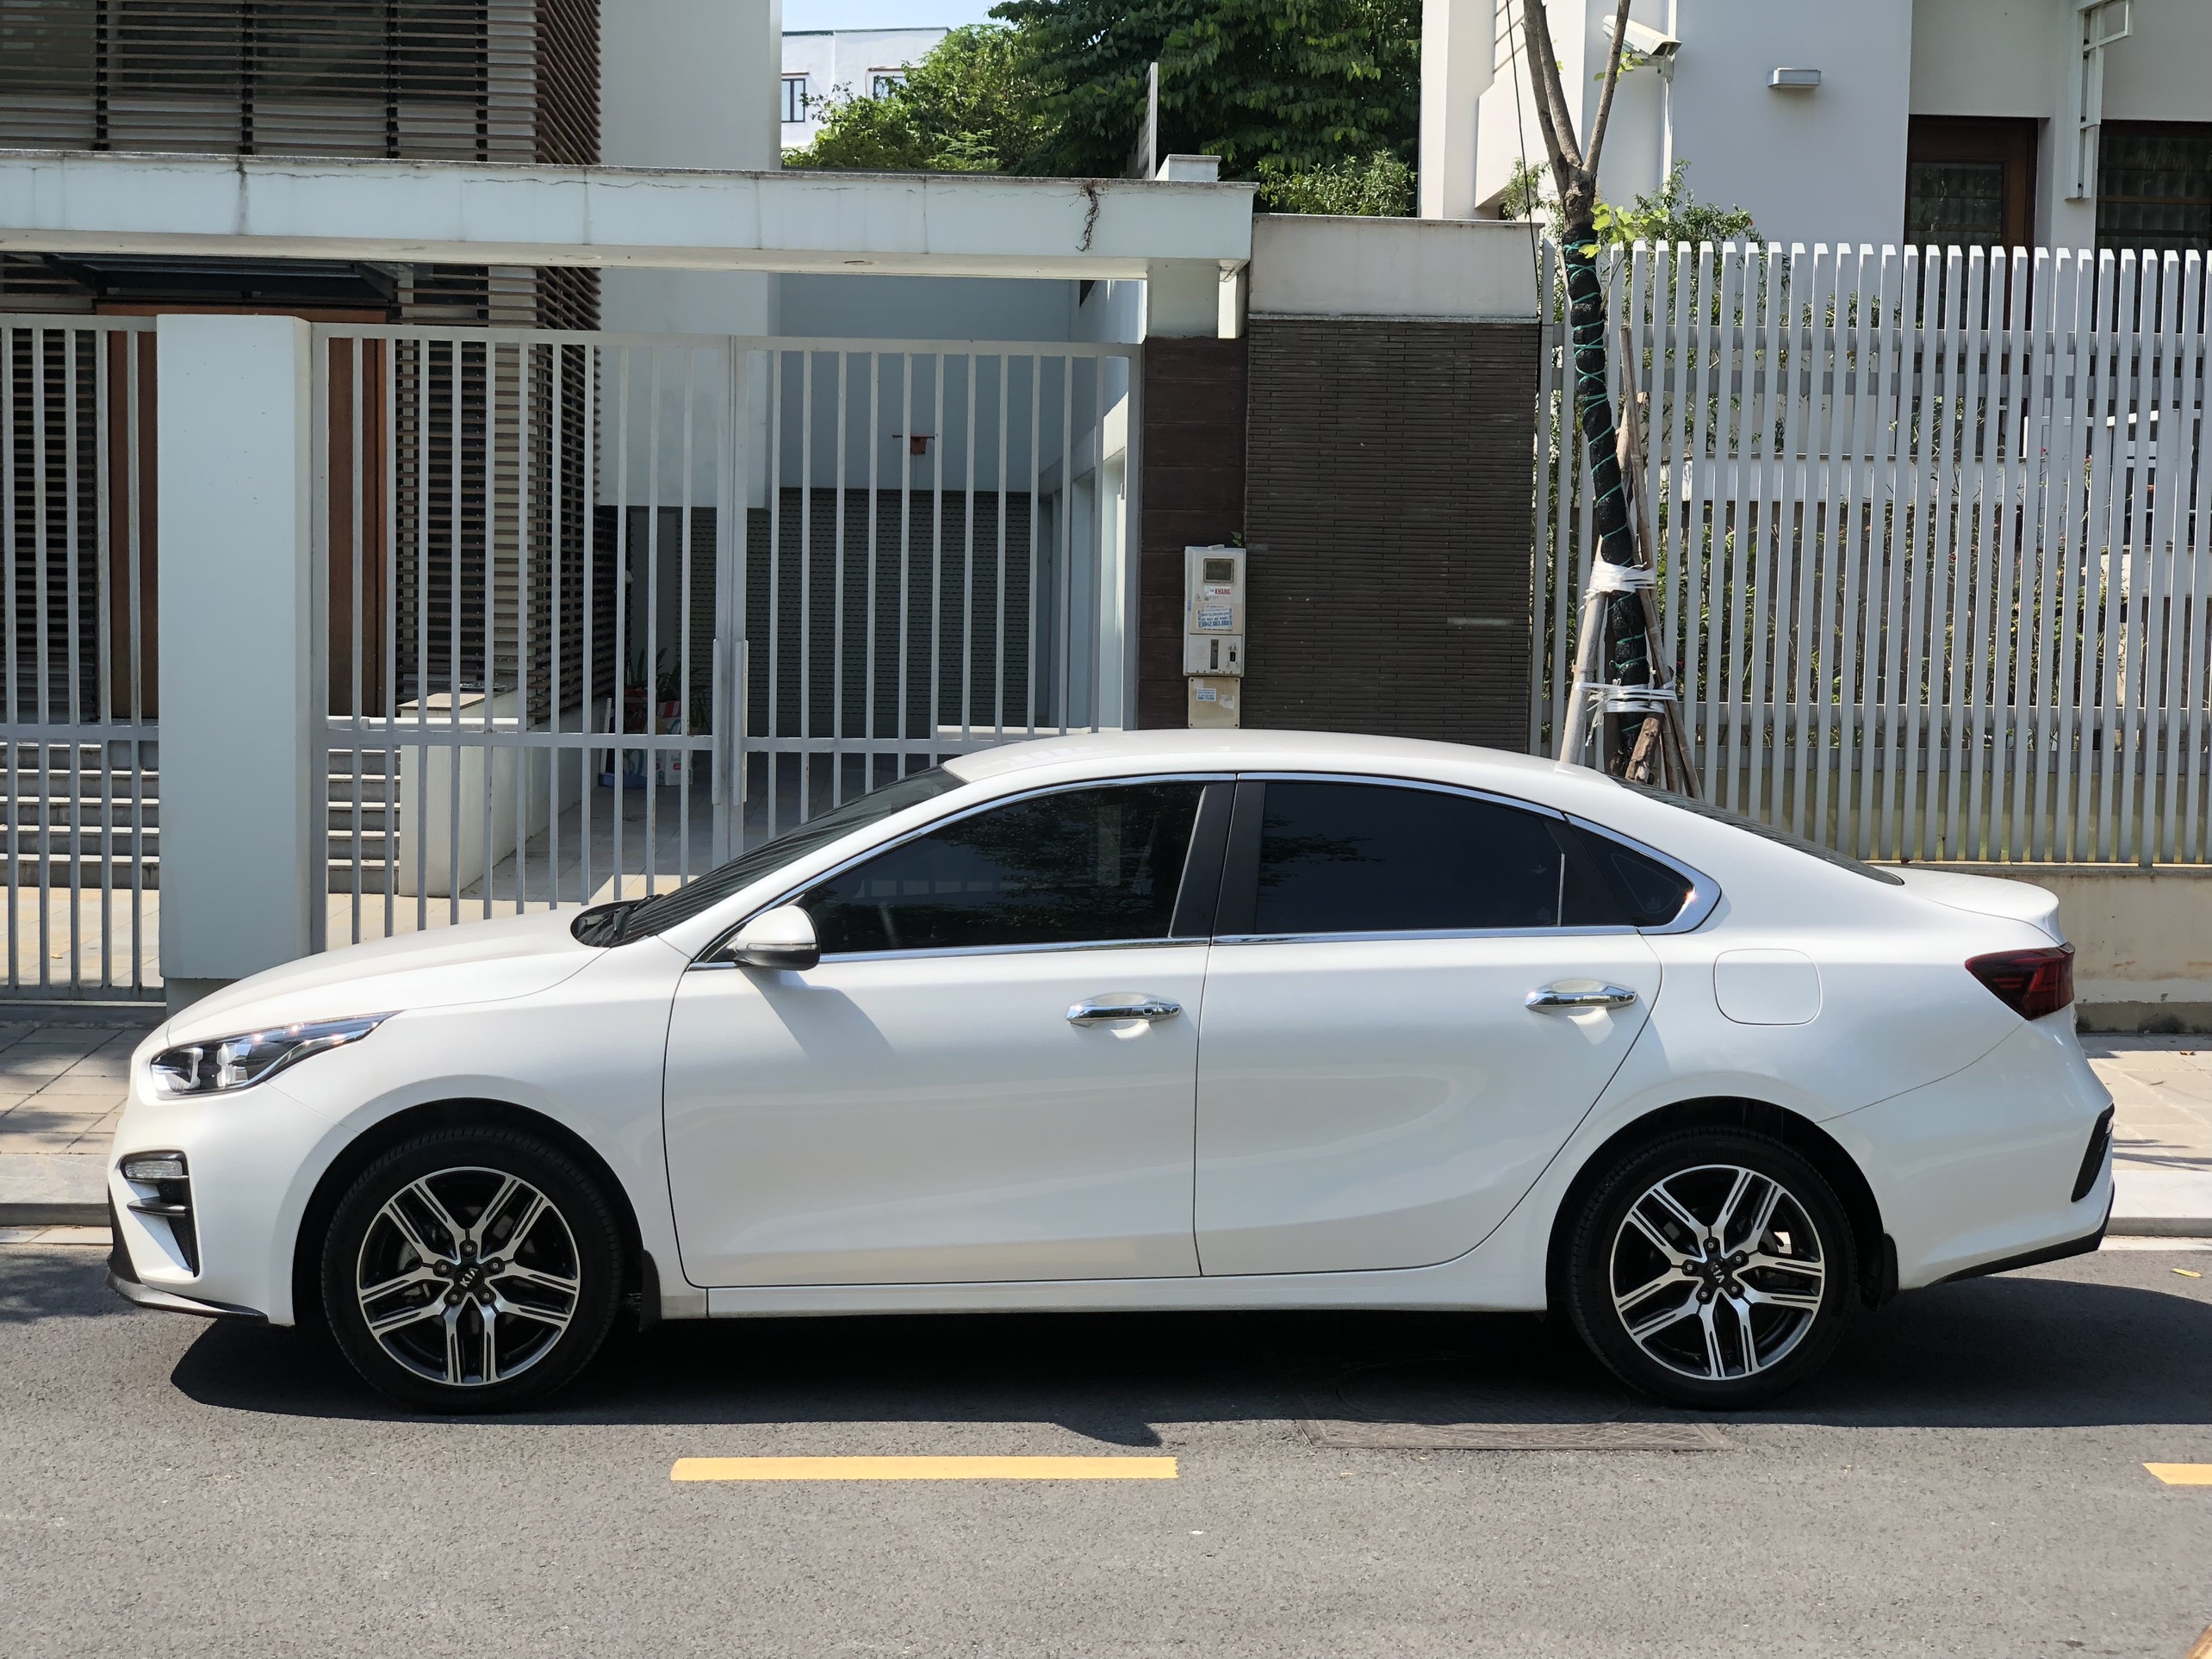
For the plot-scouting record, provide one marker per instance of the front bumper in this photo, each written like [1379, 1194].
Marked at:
[123, 1280]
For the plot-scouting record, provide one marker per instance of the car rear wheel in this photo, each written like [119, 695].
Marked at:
[471, 1270]
[1712, 1268]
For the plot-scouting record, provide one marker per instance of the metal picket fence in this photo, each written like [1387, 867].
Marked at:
[1935, 538]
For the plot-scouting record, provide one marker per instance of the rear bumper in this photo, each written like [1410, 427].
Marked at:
[1980, 1172]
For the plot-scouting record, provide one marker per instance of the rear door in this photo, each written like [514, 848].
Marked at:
[1414, 995]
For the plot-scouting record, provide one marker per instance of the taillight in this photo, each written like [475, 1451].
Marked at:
[2031, 983]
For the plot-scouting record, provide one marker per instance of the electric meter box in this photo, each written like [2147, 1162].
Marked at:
[1213, 612]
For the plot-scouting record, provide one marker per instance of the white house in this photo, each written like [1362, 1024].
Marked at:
[822, 64]
[2065, 123]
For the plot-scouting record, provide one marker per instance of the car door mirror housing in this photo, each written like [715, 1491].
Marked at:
[782, 938]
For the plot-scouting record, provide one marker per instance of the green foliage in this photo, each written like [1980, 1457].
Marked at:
[969, 107]
[1670, 214]
[1276, 88]
[1381, 186]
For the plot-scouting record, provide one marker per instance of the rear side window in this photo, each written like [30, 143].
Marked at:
[1377, 857]
[1084, 866]
[1650, 894]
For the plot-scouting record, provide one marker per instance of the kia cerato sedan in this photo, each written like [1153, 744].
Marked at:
[1162, 1020]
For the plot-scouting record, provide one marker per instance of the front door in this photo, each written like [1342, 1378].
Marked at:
[1374, 1089]
[991, 1075]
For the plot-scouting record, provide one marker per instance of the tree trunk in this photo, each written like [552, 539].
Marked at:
[1627, 654]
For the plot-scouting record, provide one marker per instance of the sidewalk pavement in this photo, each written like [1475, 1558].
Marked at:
[63, 1078]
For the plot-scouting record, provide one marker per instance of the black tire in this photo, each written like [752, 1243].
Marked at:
[1723, 1325]
[465, 1328]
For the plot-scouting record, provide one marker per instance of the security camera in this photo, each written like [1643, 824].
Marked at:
[1647, 43]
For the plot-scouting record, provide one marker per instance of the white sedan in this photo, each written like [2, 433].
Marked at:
[1163, 1020]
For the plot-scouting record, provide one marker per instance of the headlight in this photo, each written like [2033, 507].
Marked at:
[227, 1063]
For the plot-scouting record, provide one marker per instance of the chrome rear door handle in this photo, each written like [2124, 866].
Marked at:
[1103, 1010]
[1547, 996]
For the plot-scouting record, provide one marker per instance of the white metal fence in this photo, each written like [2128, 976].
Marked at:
[78, 694]
[601, 608]
[1934, 536]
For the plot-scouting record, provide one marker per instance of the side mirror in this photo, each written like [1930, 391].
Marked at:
[782, 938]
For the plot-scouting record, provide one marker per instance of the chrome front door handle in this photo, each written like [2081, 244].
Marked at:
[1105, 1011]
[1549, 997]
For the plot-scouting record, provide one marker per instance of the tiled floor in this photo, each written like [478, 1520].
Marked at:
[2162, 1088]
[62, 1086]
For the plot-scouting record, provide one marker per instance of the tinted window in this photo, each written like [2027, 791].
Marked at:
[614, 924]
[1081, 865]
[1651, 895]
[1367, 858]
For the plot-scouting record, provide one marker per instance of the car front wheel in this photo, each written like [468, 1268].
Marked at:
[1712, 1268]
[471, 1270]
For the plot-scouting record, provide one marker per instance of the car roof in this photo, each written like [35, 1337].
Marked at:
[1243, 750]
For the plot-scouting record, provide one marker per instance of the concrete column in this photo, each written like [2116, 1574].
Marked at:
[237, 689]
[1458, 43]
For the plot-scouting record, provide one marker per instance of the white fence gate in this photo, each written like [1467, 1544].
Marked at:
[77, 698]
[1934, 536]
[600, 609]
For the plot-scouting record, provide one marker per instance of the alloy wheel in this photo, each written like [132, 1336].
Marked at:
[468, 1276]
[1717, 1273]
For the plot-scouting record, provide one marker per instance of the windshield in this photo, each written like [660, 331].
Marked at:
[634, 918]
[1767, 832]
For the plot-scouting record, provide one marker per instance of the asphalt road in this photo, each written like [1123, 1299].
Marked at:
[1968, 1478]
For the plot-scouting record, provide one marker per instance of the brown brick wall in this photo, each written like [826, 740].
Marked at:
[1193, 496]
[1389, 498]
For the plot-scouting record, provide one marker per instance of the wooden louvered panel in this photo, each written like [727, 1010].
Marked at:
[484, 80]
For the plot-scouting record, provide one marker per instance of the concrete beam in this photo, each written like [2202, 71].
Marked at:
[463, 212]
[1440, 269]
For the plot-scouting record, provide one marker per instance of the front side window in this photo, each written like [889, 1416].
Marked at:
[1375, 858]
[1080, 866]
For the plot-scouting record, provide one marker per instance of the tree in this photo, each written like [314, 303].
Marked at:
[1670, 214]
[1276, 88]
[1620, 645]
[1380, 186]
[970, 106]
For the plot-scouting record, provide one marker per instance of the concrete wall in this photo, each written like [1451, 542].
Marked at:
[924, 307]
[1468, 270]
[2142, 941]
[690, 84]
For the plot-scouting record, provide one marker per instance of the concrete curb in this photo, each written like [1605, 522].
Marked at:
[53, 1188]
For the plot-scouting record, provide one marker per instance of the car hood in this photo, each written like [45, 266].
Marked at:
[2015, 901]
[475, 962]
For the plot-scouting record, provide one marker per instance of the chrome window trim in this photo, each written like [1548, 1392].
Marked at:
[1622, 930]
[1391, 781]
[702, 961]
[1704, 891]
[996, 950]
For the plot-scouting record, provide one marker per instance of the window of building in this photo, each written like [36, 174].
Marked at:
[882, 81]
[2154, 185]
[794, 97]
[1970, 181]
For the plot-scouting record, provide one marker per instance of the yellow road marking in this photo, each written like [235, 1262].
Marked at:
[2183, 1474]
[923, 1469]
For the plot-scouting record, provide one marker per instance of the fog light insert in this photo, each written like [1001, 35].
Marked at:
[161, 1189]
[2092, 1161]
[149, 1167]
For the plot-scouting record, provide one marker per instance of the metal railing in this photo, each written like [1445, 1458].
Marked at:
[1933, 537]
[601, 608]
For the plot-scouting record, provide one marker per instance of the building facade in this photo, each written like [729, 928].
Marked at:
[2054, 123]
[822, 66]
